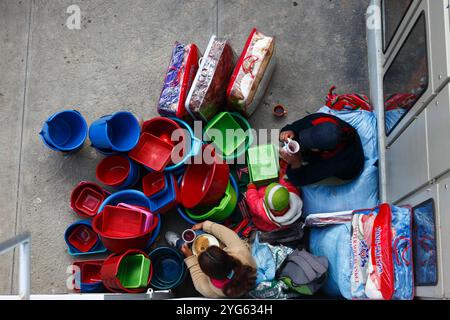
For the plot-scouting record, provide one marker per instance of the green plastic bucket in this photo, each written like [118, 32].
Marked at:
[229, 148]
[134, 271]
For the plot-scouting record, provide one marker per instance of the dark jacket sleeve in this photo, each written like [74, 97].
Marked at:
[310, 173]
[298, 125]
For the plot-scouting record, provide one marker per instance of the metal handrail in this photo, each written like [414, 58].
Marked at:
[24, 242]
[375, 62]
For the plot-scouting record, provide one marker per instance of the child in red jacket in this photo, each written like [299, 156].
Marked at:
[266, 218]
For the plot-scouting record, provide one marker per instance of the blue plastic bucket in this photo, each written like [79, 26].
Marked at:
[64, 131]
[182, 212]
[132, 197]
[98, 248]
[169, 269]
[117, 132]
[104, 152]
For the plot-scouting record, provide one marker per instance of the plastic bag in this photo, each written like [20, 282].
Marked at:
[359, 193]
[265, 263]
[333, 242]
[180, 74]
[252, 74]
[207, 95]
[350, 257]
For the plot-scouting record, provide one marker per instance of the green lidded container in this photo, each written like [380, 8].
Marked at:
[263, 164]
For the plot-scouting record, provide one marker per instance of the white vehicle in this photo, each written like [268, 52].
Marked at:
[409, 62]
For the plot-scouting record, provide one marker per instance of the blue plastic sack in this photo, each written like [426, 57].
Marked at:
[402, 250]
[359, 193]
[334, 242]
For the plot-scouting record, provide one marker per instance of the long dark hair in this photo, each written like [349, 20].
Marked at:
[218, 264]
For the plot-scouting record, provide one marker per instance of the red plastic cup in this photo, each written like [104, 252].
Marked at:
[279, 110]
[153, 183]
[113, 171]
[83, 238]
[122, 244]
[110, 269]
[204, 184]
[152, 152]
[85, 202]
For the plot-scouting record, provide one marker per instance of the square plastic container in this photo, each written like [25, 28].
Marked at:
[154, 184]
[90, 271]
[152, 152]
[89, 201]
[168, 199]
[227, 144]
[134, 271]
[83, 238]
[263, 164]
[148, 214]
[123, 222]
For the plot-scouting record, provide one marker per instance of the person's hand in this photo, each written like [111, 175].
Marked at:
[186, 250]
[286, 135]
[198, 226]
[294, 160]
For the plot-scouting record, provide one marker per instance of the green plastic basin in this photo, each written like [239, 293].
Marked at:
[230, 146]
[218, 213]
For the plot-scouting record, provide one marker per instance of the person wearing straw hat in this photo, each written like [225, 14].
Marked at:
[216, 272]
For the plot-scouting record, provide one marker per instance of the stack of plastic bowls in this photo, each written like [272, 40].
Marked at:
[81, 239]
[169, 268]
[118, 171]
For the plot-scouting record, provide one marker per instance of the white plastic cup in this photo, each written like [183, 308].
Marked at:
[292, 146]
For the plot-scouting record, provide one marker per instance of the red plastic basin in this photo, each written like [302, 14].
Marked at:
[152, 152]
[163, 128]
[204, 184]
[122, 222]
[122, 244]
[110, 269]
[83, 238]
[153, 183]
[113, 171]
[83, 201]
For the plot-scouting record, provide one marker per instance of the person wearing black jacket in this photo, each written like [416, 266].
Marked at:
[329, 147]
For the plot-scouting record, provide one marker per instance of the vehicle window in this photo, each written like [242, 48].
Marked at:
[393, 12]
[407, 78]
[424, 244]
